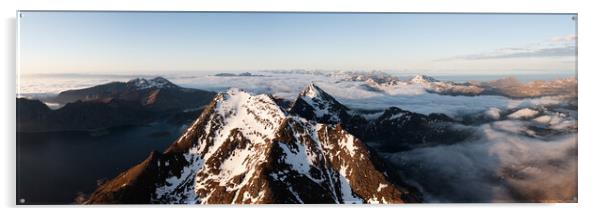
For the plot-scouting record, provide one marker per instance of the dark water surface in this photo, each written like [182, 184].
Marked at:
[53, 168]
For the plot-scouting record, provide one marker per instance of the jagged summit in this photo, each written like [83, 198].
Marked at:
[313, 103]
[245, 149]
[157, 82]
[421, 79]
[312, 91]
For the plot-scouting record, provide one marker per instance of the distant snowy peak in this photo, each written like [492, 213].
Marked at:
[449, 88]
[157, 94]
[423, 79]
[157, 82]
[315, 104]
[373, 77]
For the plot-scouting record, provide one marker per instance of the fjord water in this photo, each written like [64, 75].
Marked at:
[53, 168]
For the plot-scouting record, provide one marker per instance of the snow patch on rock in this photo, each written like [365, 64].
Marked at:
[524, 113]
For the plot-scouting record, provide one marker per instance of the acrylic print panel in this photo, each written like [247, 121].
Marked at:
[269, 107]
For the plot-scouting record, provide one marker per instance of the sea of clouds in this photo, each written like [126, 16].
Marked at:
[354, 94]
[503, 162]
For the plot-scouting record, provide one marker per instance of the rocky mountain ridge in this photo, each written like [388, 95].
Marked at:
[247, 149]
[136, 102]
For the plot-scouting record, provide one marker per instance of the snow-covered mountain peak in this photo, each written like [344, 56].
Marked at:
[312, 91]
[225, 148]
[448, 87]
[242, 111]
[245, 149]
[315, 104]
[422, 79]
[157, 82]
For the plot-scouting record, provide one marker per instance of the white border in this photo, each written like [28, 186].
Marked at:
[589, 109]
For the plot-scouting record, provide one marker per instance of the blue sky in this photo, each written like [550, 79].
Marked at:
[114, 43]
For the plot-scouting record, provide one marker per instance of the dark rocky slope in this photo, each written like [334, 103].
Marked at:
[115, 104]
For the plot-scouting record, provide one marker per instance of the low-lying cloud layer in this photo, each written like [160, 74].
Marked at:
[505, 161]
[357, 95]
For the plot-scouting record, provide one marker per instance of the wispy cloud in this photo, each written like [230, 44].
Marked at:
[523, 53]
[566, 38]
[556, 47]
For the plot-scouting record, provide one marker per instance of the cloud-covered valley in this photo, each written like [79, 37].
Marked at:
[504, 161]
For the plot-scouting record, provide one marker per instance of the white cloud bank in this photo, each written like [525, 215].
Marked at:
[504, 164]
[561, 46]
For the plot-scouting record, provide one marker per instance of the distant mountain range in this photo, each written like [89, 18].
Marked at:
[508, 87]
[244, 74]
[138, 101]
